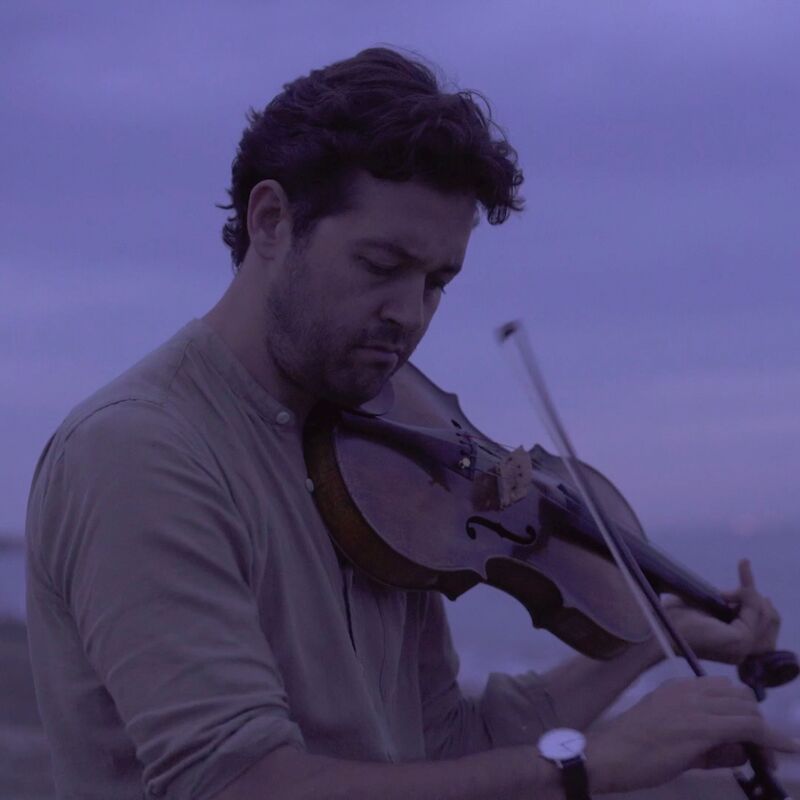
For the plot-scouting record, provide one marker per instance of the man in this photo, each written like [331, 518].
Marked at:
[193, 633]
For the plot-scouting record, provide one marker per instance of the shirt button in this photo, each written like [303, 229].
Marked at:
[309, 484]
[283, 417]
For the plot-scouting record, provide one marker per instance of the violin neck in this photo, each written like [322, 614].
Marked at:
[663, 572]
[666, 575]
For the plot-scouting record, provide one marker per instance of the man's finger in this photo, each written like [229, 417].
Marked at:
[772, 613]
[750, 609]
[723, 686]
[732, 597]
[724, 755]
[746, 577]
[749, 728]
[780, 741]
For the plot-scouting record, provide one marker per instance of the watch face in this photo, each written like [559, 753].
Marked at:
[561, 744]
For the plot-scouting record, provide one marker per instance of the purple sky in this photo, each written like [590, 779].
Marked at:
[656, 266]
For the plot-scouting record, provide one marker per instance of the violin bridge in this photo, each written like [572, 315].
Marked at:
[514, 477]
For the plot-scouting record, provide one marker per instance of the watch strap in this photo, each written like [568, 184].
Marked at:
[575, 779]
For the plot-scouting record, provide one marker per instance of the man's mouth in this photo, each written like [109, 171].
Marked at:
[383, 349]
[382, 353]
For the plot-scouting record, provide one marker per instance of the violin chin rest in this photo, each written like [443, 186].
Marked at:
[379, 405]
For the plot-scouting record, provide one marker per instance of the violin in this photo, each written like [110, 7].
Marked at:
[417, 497]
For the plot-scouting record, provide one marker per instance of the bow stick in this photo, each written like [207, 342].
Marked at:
[762, 785]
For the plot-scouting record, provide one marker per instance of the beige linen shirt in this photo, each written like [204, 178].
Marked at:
[187, 611]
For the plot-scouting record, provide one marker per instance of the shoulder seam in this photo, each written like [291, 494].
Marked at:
[134, 399]
[94, 411]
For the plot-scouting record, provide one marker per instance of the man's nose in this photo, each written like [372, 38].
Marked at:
[405, 304]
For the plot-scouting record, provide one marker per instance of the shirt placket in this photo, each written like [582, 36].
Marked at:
[367, 636]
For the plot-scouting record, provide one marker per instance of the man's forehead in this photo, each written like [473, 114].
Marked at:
[426, 225]
[370, 196]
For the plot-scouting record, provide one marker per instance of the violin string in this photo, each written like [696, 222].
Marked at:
[541, 399]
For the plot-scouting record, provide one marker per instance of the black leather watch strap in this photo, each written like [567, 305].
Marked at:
[574, 779]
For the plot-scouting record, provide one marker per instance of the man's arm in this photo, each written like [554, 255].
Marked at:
[583, 688]
[515, 773]
[696, 716]
[514, 710]
[150, 557]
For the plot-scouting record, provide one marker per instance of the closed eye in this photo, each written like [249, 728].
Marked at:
[387, 269]
[379, 268]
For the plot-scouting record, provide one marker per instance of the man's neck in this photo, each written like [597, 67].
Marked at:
[242, 334]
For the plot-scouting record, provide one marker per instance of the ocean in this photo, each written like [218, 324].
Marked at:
[492, 631]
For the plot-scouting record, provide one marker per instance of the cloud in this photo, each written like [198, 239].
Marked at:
[656, 263]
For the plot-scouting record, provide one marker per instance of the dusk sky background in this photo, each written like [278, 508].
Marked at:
[655, 265]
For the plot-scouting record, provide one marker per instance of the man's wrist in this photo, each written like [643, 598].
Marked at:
[548, 778]
[539, 777]
[602, 773]
[650, 653]
[564, 749]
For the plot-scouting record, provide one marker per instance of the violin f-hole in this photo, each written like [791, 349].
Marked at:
[501, 530]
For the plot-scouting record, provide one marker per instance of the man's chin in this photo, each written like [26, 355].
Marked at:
[355, 397]
[381, 402]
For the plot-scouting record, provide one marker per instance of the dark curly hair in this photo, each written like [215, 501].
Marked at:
[378, 112]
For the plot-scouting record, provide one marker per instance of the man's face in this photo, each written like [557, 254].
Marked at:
[346, 293]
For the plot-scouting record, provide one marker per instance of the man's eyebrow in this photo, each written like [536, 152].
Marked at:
[394, 247]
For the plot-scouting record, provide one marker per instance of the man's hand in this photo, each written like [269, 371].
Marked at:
[755, 630]
[686, 723]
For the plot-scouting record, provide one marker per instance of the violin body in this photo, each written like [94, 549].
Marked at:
[417, 497]
[414, 497]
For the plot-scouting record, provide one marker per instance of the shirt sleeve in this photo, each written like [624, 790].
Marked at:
[512, 709]
[154, 563]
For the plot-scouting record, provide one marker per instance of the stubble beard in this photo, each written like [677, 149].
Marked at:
[300, 348]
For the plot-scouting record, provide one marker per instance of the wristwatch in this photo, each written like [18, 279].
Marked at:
[564, 747]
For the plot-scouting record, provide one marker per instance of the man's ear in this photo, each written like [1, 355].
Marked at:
[268, 219]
